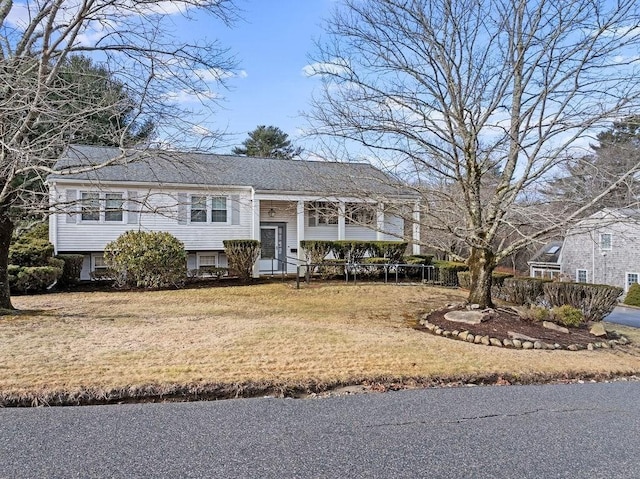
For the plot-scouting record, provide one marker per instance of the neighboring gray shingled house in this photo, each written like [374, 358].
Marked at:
[203, 199]
[604, 248]
[545, 263]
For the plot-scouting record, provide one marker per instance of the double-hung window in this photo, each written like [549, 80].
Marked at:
[605, 241]
[106, 207]
[581, 276]
[198, 209]
[219, 209]
[323, 213]
[359, 214]
[206, 209]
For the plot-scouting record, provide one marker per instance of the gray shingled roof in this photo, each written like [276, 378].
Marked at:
[263, 174]
[549, 253]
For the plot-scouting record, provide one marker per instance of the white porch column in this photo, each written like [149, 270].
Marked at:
[255, 233]
[300, 228]
[416, 228]
[342, 230]
[380, 222]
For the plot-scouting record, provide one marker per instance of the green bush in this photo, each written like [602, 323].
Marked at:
[536, 314]
[393, 251]
[417, 259]
[447, 272]
[32, 279]
[71, 269]
[633, 295]
[242, 255]
[594, 300]
[351, 250]
[147, 260]
[30, 252]
[567, 316]
[316, 250]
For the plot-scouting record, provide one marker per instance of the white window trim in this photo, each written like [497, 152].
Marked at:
[94, 256]
[209, 205]
[586, 275]
[351, 208]
[626, 279]
[610, 242]
[315, 210]
[102, 206]
[207, 253]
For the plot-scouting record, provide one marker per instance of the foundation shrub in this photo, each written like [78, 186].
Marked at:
[71, 269]
[316, 250]
[633, 295]
[32, 279]
[242, 254]
[147, 260]
[393, 251]
[594, 300]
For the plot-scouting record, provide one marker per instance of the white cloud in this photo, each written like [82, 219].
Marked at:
[185, 96]
[217, 74]
[337, 66]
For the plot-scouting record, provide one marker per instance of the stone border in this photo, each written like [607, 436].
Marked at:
[516, 343]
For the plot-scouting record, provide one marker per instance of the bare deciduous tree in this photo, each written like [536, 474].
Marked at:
[135, 43]
[448, 92]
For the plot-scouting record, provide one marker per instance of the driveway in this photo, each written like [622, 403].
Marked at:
[625, 315]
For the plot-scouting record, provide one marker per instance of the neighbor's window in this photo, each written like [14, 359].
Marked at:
[113, 203]
[198, 209]
[605, 241]
[90, 206]
[632, 278]
[581, 276]
[206, 260]
[219, 209]
[98, 263]
[359, 214]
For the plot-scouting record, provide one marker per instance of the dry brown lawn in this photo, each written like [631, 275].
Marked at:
[269, 333]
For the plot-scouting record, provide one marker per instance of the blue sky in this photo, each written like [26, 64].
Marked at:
[272, 44]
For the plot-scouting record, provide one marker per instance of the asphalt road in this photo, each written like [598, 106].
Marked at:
[624, 315]
[581, 430]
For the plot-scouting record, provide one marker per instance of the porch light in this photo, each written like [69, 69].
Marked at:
[272, 213]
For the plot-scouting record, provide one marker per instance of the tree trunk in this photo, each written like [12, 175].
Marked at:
[6, 229]
[481, 265]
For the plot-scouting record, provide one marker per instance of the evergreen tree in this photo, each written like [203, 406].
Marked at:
[268, 142]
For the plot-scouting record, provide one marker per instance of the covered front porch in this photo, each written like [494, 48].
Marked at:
[281, 223]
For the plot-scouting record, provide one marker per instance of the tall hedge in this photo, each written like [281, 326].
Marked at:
[594, 300]
[242, 255]
[147, 260]
[71, 269]
[522, 291]
[316, 250]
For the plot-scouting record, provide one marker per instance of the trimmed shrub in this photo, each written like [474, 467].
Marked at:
[594, 300]
[331, 268]
[316, 250]
[567, 316]
[350, 250]
[242, 255]
[633, 295]
[30, 252]
[418, 259]
[497, 281]
[147, 260]
[446, 272]
[393, 251]
[523, 291]
[71, 268]
[32, 279]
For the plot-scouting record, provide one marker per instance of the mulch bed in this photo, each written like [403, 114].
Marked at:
[502, 323]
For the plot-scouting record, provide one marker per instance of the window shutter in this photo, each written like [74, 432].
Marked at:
[182, 208]
[235, 209]
[133, 208]
[72, 197]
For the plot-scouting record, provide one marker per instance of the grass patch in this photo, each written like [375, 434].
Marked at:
[236, 340]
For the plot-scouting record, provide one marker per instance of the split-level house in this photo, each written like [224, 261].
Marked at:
[204, 199]
[604, 249]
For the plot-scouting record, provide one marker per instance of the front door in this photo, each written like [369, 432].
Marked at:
[270, 249]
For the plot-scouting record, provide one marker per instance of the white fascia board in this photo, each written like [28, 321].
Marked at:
[150, 185]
